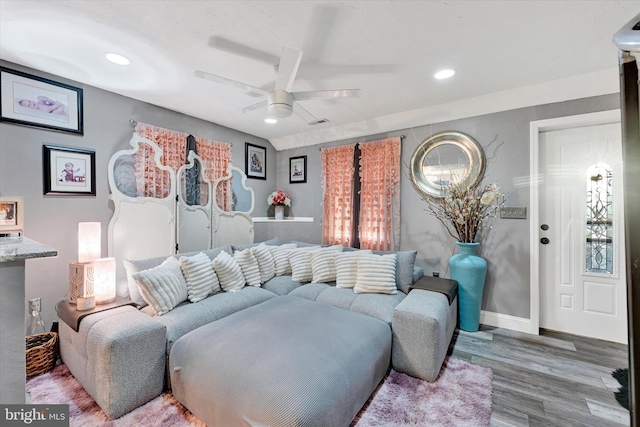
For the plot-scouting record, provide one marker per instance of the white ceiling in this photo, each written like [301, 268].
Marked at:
[388, 49]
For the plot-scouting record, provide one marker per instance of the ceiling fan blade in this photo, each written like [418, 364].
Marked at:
[302, 112]
[288, 68]
[219, 79]
[326, 94]
[253, 107]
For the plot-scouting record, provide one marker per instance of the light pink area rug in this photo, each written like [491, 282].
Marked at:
[460, 397]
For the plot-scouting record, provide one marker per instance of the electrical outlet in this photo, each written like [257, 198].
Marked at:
[436, 274]
[513, 212]
[35, 305]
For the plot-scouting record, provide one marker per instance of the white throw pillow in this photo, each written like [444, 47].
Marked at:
[229, 272]
[300, 259]
[162, 287]
[265, 261]
[200, 277]
[376, 274]
[323, 264]
[249, 266]
[281, 258]
[347, 268]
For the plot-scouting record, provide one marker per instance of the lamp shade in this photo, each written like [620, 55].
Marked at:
[89, 245]
[104, 280]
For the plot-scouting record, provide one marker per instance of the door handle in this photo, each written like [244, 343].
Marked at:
[544, 241]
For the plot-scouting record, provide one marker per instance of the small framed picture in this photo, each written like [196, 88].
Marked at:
[70, 171]
[36, 101]
[11, 214]
[255, 159]
[297, 169]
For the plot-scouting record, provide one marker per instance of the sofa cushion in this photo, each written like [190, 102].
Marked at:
[380, 306]
[281, 285]
[163, 287]
[133, 266]
[188, 317]
[376, 274]
[200, 277]
[229, 272]
[249, 266]
[405, 263]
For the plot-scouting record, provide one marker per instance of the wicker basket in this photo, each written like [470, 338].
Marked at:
[42, 353]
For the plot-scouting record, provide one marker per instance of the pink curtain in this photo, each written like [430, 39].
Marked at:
[380, 194]
[337, 186]
[154, 182]
[216, 157]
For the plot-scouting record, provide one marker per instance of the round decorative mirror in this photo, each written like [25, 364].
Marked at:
[446, 158]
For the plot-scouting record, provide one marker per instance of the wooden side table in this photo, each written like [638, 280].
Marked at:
[447, 287]
[68, 314]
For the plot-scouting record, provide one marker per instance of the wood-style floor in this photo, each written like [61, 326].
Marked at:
[553, 379]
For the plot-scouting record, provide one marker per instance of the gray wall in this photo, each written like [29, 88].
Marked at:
[505, 247]
[53, 220]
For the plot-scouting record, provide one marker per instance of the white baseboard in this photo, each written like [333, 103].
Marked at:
[506, 321]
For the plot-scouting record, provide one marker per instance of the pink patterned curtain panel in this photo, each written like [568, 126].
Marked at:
[154, 182]
[216, 157]
[337, 186]
[380, 194]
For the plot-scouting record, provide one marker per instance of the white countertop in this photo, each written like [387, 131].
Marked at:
[14, 250]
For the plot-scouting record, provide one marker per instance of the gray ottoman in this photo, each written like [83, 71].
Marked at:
[284, 362]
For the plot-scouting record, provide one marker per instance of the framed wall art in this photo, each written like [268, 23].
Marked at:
[68, 171]
[297, 169]
[35, 101]
[255, 161]
[11, 215]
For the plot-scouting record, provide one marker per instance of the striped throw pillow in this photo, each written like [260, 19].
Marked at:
[347, 268]
[162, 287]
[282, 266]
[249, 266]
[323, 264]
[376, 274]
[229, 272]
[200, 277]
[265, 261]
[300, 259]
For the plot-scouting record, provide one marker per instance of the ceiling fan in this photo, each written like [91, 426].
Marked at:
[281, 102]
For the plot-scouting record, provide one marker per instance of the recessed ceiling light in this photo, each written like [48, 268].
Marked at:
[444, 74]
[270, 120]
[117, 59]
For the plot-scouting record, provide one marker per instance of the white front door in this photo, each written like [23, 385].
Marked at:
[582, 264]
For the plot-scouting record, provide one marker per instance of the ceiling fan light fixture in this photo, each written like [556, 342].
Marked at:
[271, 120]
[280, 104]
[444, 74]
[117, 58]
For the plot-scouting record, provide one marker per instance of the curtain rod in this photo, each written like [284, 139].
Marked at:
[135, 123]
[401, 138]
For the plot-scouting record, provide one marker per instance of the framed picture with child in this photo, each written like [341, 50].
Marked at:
[68, 171]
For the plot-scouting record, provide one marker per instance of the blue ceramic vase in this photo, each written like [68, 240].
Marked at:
[469, 270]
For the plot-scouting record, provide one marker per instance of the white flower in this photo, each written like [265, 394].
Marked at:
[488, 197]
[270, 199]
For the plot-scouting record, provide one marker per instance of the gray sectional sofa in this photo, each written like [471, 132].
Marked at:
[122, 356]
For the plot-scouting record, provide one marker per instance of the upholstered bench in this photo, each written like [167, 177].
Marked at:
[286, 361]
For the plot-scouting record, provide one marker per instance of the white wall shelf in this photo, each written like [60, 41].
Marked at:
[286, 219]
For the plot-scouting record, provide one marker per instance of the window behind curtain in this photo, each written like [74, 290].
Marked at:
[377, 225]
[337, 188]
[215, 155]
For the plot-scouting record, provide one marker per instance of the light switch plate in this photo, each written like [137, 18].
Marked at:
[513, 212]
